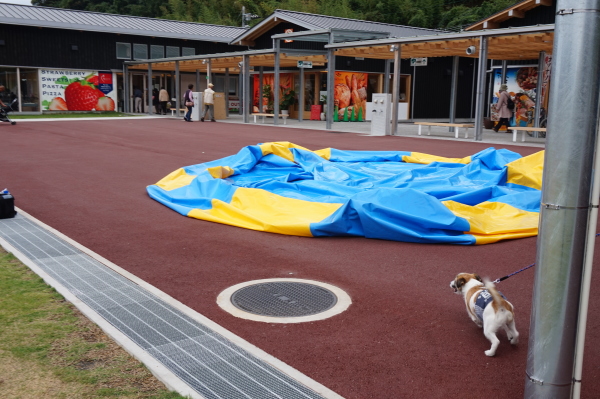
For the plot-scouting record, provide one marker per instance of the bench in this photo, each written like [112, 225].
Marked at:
[525, 129]
[466, 126]
[270, 116]
[184, 110]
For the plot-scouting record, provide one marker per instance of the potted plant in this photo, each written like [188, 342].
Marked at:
[288, 99]
[267, 103]
[323, 101]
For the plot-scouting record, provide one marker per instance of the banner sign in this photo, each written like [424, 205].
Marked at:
[69, 90]
[304, 64]
[350, 96]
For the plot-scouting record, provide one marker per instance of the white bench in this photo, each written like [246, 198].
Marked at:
[466, 126]
[270, 116]
[184, 110]
[525, 129]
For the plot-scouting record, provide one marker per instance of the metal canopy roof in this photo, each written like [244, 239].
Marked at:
[339, 35]
[218, 62]
[47, 17]
[522, 43]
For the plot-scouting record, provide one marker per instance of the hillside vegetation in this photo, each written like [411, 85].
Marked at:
[441, 14]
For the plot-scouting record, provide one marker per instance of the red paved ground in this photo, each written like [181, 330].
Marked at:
[405, 335]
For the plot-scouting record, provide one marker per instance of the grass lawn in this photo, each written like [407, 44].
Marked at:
[74, 115]
[48, 349]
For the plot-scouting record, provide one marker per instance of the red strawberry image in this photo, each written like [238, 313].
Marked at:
[81, 96]
[57, 104]
[105, 104]
[93, 79]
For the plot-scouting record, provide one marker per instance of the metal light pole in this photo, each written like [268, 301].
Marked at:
[396, 87]
[566, 200]
[480, 96]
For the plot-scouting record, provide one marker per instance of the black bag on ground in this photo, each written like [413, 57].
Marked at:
[7, 206]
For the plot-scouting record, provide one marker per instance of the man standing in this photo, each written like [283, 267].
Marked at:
[209, 101]
[502, 107]
[137, 96]
[163, 98]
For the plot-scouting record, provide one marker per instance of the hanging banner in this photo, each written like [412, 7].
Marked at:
[522, 87]
[285, 82]
[350, 96]
[69, 90]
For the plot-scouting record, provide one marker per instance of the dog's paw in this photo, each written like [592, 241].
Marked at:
[490, 352]
[514, 340]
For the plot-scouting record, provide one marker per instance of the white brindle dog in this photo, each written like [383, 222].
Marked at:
[487, 308]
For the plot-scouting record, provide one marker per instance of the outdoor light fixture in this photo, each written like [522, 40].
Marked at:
[393, 47]
[204, 61]
[471, 50]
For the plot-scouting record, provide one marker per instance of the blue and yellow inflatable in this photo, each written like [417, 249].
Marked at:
[393, 195]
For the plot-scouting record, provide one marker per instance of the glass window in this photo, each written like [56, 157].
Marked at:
[185, 51]
[140, 52]
[30, 95]
[124, 51]
[172, 51]
[157, 51]
[8, 79]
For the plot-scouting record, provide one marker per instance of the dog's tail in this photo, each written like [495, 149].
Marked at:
[500, 302]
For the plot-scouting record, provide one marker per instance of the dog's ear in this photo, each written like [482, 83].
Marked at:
[478, 278]
[460, 282]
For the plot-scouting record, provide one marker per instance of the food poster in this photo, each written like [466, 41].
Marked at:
[350, 96]
[68, 90]
[286, 81]
[522, 87]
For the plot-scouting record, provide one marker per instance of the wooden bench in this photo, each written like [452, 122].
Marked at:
[466, 126]
[525, 129]
[270, 116]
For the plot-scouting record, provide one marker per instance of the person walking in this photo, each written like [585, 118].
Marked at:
[155, 101]
[163, 99]
[188, 100]
[504, 112]
[137, 97]
[209, 101]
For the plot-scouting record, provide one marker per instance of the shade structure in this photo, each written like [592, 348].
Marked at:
[394, 195]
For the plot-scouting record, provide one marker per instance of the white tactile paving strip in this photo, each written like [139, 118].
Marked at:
[209, 363]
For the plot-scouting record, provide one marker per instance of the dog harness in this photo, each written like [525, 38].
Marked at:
[483, 299]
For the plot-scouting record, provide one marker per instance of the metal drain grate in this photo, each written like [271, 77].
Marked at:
[208, 362]
[284, 299]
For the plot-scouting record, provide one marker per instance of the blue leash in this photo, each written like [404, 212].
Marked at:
[496, 281]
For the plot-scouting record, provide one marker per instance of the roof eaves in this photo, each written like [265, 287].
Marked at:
[497, 14]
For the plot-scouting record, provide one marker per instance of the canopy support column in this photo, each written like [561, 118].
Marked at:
[503, 76]
[538, 90]
[149, 96]
[480, 95]
[567, 216]
[226, 88]
[301, 97]
[246, 88]
[177, 90]
[386, 76]
[330, 84]
[396, 88]
[126, 83]
[454, 90]
[276, 95]
[197, 80]
[208, 72]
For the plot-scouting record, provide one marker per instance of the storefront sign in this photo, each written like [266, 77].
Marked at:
[350, 96]
[304, 64]
[69, 90]
[418, 61]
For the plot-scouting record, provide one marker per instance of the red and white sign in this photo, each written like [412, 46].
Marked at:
[288, 31]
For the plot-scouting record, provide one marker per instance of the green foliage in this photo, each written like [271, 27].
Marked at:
[434, 14]
[288, 99]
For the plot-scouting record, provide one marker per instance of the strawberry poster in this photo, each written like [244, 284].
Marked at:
[68, 90]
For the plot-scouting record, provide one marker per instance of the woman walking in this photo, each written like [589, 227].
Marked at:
[188, 100]
[502, 107]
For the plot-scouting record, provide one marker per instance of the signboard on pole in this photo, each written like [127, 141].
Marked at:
[304, 64]
[288, 31]
[418, 61]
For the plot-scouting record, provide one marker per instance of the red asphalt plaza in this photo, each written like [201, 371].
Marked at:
[406, 334]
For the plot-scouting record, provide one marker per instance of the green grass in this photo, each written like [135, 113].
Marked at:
[48, 349]
[112, 114]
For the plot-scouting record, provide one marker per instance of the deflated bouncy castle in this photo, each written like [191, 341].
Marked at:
[392, 195]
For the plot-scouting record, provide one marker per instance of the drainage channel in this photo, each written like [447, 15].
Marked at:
[209, 363]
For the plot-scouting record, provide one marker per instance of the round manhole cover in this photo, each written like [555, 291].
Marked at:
[284, 300]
